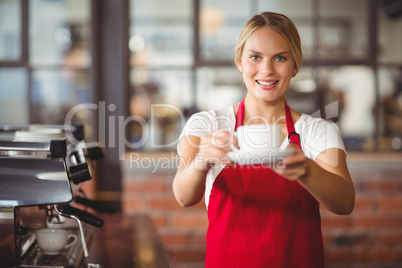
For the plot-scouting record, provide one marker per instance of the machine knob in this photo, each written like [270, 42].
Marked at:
[80, 173]
[95, 152]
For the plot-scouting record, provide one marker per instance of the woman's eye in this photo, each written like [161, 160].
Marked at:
[280, 58]
[255, 58]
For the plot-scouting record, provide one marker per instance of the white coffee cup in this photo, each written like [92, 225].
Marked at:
[52, 241]
[259, 138]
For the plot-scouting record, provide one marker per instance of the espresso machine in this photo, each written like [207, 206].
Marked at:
[42, 168]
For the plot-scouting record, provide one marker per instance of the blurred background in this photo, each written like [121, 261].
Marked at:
[127, 57]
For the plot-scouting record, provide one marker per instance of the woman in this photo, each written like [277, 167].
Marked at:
[272, 219]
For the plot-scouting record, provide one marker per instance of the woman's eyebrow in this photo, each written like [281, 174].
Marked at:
[283, 52]
[279, 53]
[253, 51]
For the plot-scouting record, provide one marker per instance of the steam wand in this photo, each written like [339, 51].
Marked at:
[84, 244]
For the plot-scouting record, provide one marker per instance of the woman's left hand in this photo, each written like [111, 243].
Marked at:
[327, 178]
[295, 166]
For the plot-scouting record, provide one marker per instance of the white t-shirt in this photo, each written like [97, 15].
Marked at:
[316, 135]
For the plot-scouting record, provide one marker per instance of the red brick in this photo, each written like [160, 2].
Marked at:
[164, 204]
[338, 256]
[201, 238]
[390, 204]
[336, 221]
[378, 255]
[377, 221]
[187, 255]
[364, 204]
[382, 186]
[175, 239]
[326, 238]
[145, 186]
[392, 239]
[192, 265]
[131, 204]
[159, 221]
[200, 206]
[353, 238]
[195, 220]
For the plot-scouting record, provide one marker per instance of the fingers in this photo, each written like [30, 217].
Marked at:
[223, 139]
[292, 172]
[296, 157]
[215, 146]
[295, 166]
[233, 140]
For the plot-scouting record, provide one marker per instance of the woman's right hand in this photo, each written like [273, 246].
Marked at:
[197, 157]
[213, 149]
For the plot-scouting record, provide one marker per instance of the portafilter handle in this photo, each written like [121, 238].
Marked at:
[84, 244]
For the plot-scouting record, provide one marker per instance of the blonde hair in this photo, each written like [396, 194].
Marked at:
[280, 24]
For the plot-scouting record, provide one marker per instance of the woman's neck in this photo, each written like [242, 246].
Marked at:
[261, 112]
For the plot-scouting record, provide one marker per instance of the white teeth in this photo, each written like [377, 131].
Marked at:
[266, 83]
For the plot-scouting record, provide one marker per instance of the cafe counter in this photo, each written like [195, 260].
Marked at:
[127, 241]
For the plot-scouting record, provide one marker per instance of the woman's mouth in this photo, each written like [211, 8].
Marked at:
[267, 83]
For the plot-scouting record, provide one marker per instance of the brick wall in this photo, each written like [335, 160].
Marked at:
[370, 237]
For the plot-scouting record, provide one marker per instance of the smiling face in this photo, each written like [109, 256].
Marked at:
[267, 65]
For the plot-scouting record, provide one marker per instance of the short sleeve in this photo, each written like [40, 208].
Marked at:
[320, 135]
[198, 124]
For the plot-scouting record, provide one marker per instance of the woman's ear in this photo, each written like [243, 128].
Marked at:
[294, 69]
[239, 66]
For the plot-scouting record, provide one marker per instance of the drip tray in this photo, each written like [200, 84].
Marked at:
[67, 258]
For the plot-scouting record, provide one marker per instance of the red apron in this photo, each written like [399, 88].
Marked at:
[259, 219]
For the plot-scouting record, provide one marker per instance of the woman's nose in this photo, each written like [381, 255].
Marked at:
[267, 68]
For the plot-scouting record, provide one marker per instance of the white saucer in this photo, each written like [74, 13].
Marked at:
[261, 157]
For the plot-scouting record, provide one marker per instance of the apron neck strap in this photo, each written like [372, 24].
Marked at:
[293, 136]
[240, 115]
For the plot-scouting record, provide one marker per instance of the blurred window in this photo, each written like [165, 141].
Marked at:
[220, 25]
[160, 98]
[390, 120]
[161, 33]
[55, 92]
[59, 56]
[56, 76]
[14, 96]
[218, 87]
[162, 57]
[10, 30]
[303, 94]
[390, 37]
[59, 31]
[343, 29]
